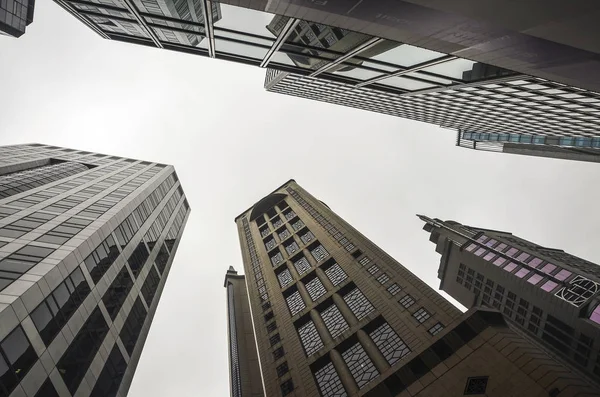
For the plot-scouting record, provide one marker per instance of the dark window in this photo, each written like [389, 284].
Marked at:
[269, 316]
[16, 358]
[150, 285]
[278, 353]
[116, 294]
[138, 258]
[133, 325]
[110, 378]
[75, 362]
[275, 339]
[282, 369]
[47, 390]
[476, 385]
[102, 258]
[162, 258]
[271, 327]
[287, 387]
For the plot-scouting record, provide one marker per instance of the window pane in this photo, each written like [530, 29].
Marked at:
[250, 21]
[405, 55]
[454, 68]
[247, 50]
[405, 83]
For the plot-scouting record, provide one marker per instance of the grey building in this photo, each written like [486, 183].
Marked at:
[551, 295]
[333, 315]
[398, 58]
[86, 244]
[15, 16]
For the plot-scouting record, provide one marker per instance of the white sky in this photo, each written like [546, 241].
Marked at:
[232, 143]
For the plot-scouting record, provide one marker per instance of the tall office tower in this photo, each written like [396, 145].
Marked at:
[336, 316]
[386, 65]
[548, 293]
[15, 16]
[244, 369]
[86, 243]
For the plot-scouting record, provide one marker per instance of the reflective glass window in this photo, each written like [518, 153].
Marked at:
[454, 69]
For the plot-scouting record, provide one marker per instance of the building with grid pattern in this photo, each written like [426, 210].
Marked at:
[15, 16]
[86, 243]
[550, 294]
[335, 316]
[489, 99]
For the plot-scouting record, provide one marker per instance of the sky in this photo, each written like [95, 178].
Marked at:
[232, 143]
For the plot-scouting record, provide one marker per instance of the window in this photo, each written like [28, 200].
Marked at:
[269, 316]
[319, 253]
[335, 274]
[285, 278]
[63, 233]
[270, 244]
[102, 258]
[360, 365]
[394, 289]
[16, 359]
[150, 285]
[358, 303]
[162, 258]
[47, 390]
[315, 289]
[276, 258]
[421, 315]
[302, 265]
[364, 261]
[389, 343]
[78, 357]
[579, 291]
[383, 278]
[138, 258]
[282, 369]
[274, 339]
[335, 323]
[311, 341]
[271, 327]
[437, 328]
[55, 311]
[373, 269]
[407, 301]
[329, 382]
[117, 292]
[295, 302]
[278, 353]
[307, 237]
[133, 326]
[287, 387]
[111, 376]
[476, 385]
[20, 262]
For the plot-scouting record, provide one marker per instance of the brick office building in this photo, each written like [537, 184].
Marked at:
[86, 243]
[336, 316]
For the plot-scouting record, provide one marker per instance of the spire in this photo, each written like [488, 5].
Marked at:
[231, 270]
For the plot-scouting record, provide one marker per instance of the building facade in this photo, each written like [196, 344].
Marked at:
[86, 243]
[550, 294]
[244, 369]
[310, 51]
[15, 16]
[336, 316]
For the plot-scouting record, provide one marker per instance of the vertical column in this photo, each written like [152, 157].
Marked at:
[372, 351]
[345, 310]
[321, 327]
[343, 372]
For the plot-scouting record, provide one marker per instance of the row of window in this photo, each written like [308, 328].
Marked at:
[19, 262]
[569, 141]
[17, 356]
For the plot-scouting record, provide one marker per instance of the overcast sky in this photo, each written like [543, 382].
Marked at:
[232, 143]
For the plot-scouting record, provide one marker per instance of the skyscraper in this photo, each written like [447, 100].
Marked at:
[86, 243]
[334, 315]
[15, 16]
[380, 66]
[550, 294]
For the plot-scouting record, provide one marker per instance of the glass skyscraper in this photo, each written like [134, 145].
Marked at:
[334, 315]
[15, 16]
[550, 294]
[86, 243]
[314, 50]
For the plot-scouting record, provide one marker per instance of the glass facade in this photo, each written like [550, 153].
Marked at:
[58, 237]
[15, 15]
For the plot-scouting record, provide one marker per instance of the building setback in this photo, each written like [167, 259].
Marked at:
[15, 16]
[380, 67]
[336, 316]
[551, 295]
[86, 243]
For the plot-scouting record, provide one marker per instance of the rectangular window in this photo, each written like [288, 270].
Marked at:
[407, 301]
[295, 302]
[302, 266]
[319, 253]
[335, 274]
[383, 278]
[150, 285]
[311, 341]
[285, 278]
[116, 294]
[102, 258]
[389, 343]
[133, 325]
[358, 303]
[437, 328]
[394, 289]
[373, 269]
[334, 321]
[329, 381]
[315, 289]
[138, 258]
[17, 356]
[112, 374]
[360, 365]
[421, 315]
